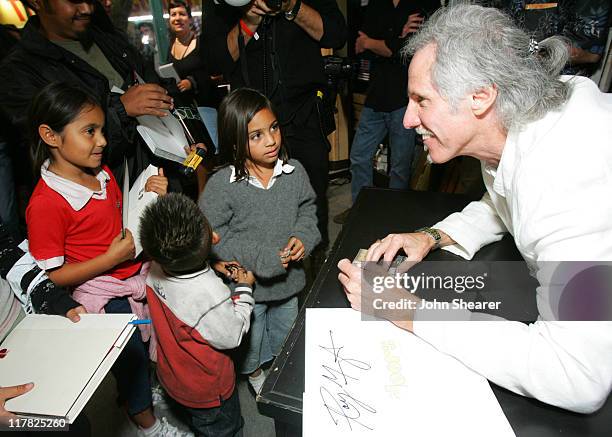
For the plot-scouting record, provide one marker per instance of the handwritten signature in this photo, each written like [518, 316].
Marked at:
[344, 373]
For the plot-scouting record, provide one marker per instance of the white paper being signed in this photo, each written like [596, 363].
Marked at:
[369, 378]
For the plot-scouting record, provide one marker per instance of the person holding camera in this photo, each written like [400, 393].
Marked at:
[275, 46]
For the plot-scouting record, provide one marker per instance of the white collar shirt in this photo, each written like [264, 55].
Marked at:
[279, 169]
[75, 194]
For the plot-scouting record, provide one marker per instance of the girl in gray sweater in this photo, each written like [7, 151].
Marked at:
[263, 208]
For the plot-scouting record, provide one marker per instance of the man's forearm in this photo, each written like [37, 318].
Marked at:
[379, 47]
[307, 18]
[310, 20]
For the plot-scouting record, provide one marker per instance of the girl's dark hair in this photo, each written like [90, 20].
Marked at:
[235, 113]
[178, 4]
[56, 105]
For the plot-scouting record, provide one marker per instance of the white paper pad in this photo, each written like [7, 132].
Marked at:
[374, 379]
[137, 200]
[66, 361]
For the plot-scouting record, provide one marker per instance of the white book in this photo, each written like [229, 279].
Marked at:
[135, 201]
[164, 136]
[66, 361]
[169, 72]
[370, 378]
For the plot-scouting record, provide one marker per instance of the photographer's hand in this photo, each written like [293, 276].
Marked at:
[255, 13]
[307, 18]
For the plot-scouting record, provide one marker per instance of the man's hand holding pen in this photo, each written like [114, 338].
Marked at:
[146, 99]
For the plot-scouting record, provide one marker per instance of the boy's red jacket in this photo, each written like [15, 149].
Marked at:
[195, 317]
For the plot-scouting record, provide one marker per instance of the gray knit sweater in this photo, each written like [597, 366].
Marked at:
[255, 225]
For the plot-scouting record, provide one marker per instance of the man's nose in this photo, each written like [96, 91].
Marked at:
[411, 118]
[85, 7]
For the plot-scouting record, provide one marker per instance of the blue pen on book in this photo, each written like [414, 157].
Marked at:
[140, 322]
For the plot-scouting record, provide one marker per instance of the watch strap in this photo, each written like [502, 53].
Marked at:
[433, 233]
[290, 15]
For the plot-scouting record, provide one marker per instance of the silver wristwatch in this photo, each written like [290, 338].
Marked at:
[433, 233]
[290, 15]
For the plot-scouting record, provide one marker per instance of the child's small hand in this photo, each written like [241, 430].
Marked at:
[157, 184]
[121, 249]
[226, 268]
[73, 314]
[294, 249]
[191, 148]
[245, 277]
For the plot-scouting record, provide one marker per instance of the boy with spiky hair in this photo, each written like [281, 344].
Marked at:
[195, 314]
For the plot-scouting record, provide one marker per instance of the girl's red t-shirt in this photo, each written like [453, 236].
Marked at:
[55, 229]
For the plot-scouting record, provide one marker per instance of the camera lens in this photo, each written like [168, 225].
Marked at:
[275, 5]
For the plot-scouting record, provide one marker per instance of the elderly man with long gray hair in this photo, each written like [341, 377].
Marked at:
[479, 86]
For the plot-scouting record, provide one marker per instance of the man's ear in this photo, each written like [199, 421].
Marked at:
[48, 135]
[483, 99]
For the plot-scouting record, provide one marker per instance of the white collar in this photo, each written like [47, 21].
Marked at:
[75, 194]
[503, 172]
[279, 168]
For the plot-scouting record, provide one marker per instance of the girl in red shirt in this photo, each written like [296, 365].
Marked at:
[75, 228]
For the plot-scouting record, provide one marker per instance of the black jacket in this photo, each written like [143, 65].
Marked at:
[295, 68]
[36, 62]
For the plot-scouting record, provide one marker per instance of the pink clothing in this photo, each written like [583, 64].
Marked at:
[95, 294]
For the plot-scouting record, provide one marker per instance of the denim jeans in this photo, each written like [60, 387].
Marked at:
[372, 128]
[131, 369]
[8, 204]
[270, 325]
[222, 421]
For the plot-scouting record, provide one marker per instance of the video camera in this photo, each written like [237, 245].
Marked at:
[337, 68]
[275, 5]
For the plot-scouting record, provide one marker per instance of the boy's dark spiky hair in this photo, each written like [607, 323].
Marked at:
[175, 233]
